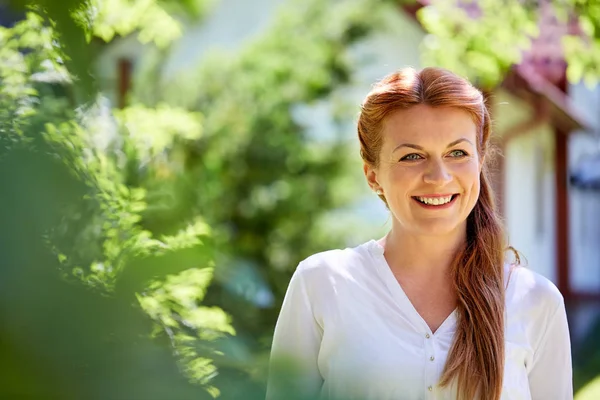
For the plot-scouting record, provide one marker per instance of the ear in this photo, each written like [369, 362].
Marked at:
[371, 175]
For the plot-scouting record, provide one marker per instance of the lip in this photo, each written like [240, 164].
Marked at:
[432, 207]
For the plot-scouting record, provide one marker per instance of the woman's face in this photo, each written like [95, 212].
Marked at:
[429, 169]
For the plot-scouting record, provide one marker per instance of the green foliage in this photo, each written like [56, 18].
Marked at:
[153, 131]
[483, 39]
[265, 183]
[173, 304]
[463, 42]
[108, 18]
[59, 338]
[590, 391]
[28, 57]
[76, 22]
[586, 363]
[153, 20]
[99, 239]
[582, 52]
[111, 239]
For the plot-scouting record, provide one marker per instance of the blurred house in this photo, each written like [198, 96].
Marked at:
[547, 182]
[549, 131]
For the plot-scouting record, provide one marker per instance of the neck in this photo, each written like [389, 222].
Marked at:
[422, 254]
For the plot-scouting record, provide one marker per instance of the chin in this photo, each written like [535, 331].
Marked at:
[440, 228]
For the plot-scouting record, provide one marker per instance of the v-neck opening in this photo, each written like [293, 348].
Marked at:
[385, 272]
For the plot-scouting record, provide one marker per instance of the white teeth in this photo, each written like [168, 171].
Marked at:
[435, 201]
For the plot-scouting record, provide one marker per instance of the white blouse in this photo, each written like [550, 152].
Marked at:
[353, 334]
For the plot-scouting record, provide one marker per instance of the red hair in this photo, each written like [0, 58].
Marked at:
[476, 358]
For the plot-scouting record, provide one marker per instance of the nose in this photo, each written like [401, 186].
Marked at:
[437, 174]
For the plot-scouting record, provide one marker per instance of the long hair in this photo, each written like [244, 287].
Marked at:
[476, 359]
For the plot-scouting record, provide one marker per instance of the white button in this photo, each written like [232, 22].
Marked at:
[431, 358]
[427, 335]
[430, 388]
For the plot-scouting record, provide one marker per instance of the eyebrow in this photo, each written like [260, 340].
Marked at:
[417, 147]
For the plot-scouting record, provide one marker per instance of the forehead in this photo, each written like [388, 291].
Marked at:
[428, 126]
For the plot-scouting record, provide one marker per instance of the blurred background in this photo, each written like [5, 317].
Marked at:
[165, 165]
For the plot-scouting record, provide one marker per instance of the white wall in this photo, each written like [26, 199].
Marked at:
[530, 199]
[584, 205]
[529, 188]
[508, 112]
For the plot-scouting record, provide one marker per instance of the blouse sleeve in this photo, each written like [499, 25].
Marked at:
[551, 376]
[293, 369]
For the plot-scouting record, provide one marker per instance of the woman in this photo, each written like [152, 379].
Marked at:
[432, 310]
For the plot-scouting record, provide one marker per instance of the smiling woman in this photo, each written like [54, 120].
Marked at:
[432, 310]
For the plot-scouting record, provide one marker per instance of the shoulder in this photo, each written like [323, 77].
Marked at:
[531, 296]
[335, 278]
[338, 263]
[527, 284]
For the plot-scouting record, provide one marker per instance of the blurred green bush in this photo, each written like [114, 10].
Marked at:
[115, 221]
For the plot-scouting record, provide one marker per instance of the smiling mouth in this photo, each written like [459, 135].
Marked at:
[438, 201]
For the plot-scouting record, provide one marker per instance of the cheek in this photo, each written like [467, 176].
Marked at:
[472, 182]
[469, 173]
[402, 173]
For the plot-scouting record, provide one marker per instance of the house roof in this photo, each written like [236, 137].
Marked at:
[542, 70]
[533, 87]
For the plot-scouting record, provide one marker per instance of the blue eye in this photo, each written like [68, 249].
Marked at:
[411, 157]
[458, 153]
